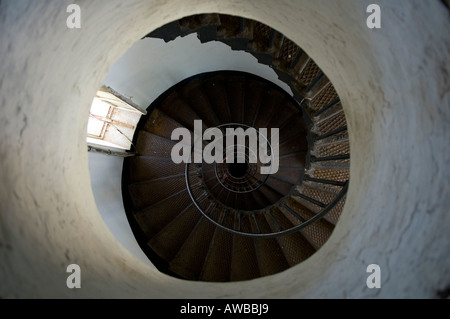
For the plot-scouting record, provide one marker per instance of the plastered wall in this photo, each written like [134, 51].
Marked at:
[394, 84]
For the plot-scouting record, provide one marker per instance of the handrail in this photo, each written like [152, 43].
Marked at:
[296, 228]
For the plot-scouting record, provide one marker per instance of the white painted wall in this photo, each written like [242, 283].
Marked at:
[106, 179]
[151, 66]
[395, 91]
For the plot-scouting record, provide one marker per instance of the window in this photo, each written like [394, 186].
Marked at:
[112, 120]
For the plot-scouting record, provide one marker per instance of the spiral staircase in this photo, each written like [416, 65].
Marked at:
[396, 210]
[226, 221]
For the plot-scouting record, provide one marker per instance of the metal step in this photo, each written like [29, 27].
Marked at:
[189, 260]
[152, 145]
[144, 168]
[217, 93]
[175, 107]
[217, 264]
[322, 150]
[271, 102]
[236, 98]
[154, 218]
[253, 100]
[193, 94]
[144, 194]
[168, 241]
[161, 124]
[244, 262]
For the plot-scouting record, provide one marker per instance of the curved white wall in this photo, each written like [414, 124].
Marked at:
[106, 182]
[395, 89]
[151, 66]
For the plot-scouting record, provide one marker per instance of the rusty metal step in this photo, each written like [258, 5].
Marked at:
[244, 262]
[272, 101]
[152, 145]
[288, 111]
[217, 263]
[236, 98]
[295, 246]
[296, 143]
[144, 194]
[292, 160]
[261, 200]
[291, 176]
[169, 240]
[270, 256]
[180, 110]
[161, 124]
[154, 218]
[280, 186]
[253, 99]
[217, 93]
[193, 94]
[189, 260]
[144, 168]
